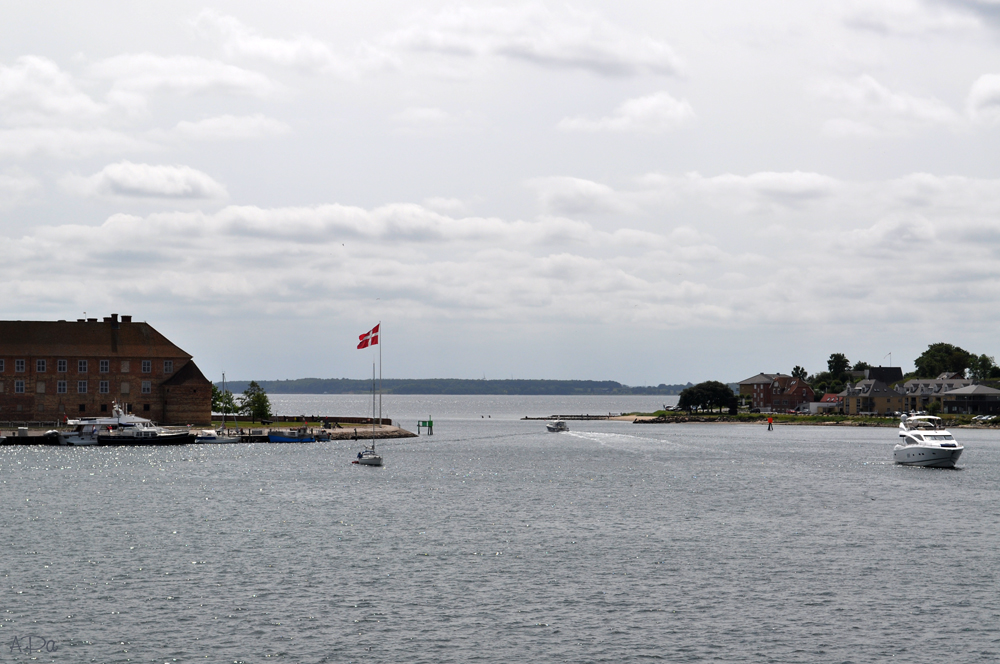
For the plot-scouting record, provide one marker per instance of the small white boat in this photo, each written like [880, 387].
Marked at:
[557, 427]
[211, 436]
[926, 443]
[368, 457]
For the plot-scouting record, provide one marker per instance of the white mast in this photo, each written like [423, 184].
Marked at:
[380, 373]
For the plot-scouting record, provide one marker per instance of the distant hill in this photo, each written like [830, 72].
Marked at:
[450, 386]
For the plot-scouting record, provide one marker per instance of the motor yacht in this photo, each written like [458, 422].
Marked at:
[926, 442]
[557, 427]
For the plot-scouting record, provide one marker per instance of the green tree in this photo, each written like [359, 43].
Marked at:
[933, 408]
[255, 403]
[223, 402]
[706, 396]
[861, 366]
[940, 358]
[838, 365]
[799, 372]
[982, 368]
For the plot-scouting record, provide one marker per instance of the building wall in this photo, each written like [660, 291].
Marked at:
[124, 380]
[53, 370]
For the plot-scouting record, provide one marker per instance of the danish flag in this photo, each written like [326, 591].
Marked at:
[369, 338]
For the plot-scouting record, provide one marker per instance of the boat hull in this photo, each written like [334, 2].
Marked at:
[369, 461]
[927, 456]
[161, 439]
[290, 439]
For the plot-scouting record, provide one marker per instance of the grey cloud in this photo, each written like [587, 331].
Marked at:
[566, 39]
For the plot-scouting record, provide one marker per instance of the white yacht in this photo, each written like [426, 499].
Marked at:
[926, 443]
[557, 427]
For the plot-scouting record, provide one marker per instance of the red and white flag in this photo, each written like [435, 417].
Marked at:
[369, 338]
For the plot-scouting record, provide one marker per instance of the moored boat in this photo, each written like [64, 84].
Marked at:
[213, 436]
[926, 442]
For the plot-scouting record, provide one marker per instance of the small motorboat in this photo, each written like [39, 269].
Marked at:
[300, 435]
[926, 443]
[558, 426]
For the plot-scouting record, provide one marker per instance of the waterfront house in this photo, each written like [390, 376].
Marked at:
[918, 393]
[776, 392]
[871, 396]
[64, 369]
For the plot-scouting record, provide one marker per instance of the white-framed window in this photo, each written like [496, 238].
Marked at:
[147, 387]
[18, 387]
[147, 366]
[62, 366]
[40, 386]
[104, 387]
[168, 366]
[81, 366]
[60, 387]
[40, 366]
[19, 366]
[125, 388]
[124, 366]
[81, 387]
[104, 366]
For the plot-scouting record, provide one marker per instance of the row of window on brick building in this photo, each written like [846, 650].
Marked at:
[82, 387]
[83, 366]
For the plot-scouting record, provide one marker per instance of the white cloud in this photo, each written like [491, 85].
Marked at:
[446, 205]
[66, 143]
[875, 110]
[983, 102]
[910, 18]
[826, 261]
[231, 127]
[35, 90]
[564, 39]
[146, 73]
[572, 196]
[301, 52]
[17, 187]
[145, 181]
[652, 114]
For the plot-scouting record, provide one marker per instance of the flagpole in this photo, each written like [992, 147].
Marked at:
[380, 373]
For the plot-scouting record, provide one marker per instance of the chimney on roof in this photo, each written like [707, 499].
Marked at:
[114, 321]
[126, 319]
[107, 319]
[81, 320]
[91, 320]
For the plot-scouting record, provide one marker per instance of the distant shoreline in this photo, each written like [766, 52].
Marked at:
[457, 387]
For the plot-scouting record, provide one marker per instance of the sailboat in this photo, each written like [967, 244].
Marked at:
[368, 456]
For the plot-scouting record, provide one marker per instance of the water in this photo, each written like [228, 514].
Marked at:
[493, 541]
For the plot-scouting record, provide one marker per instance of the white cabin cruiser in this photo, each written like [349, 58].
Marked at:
[213, 436]
[926, 443]
[557, 427]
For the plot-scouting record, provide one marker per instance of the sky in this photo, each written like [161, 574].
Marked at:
[646, 192]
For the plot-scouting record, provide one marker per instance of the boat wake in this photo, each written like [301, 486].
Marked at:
[628, 442]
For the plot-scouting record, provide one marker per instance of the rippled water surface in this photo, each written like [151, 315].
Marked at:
[493, 541]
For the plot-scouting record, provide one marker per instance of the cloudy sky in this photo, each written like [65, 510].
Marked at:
[649, 192]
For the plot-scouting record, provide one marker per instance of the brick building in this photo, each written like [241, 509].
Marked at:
[776, 392]
[56, 369]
